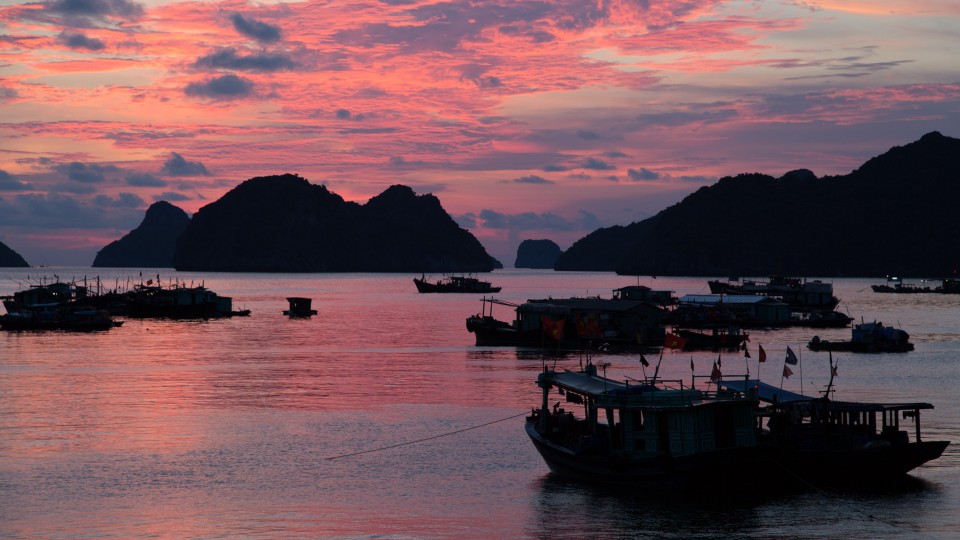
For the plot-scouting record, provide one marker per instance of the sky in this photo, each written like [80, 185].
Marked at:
[527, 119]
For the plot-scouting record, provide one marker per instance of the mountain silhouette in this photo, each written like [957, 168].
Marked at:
[896, 214]
[10, 258]
[537, 254]
[286, 224]
[151, 244]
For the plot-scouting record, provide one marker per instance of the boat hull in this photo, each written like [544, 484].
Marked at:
[860, 347]
[773, 466]
[721, 469]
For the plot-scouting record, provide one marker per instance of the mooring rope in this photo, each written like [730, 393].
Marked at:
[427, 438]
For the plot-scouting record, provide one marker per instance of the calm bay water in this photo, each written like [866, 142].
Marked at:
[266, 427]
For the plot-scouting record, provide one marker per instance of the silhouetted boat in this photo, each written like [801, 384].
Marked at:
[54, 306]
[720, 338]
[896, 285]
[299, 307]
[799, 294]
[455, 284]
[58, 317]
[179, 302]
[871, 337]
[617, 324]
[666, 436]
[821, 319]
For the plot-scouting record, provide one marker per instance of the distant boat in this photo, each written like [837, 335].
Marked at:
[719, 338]
[179, 301]
[799, 294]
[55, 306]
[299, 307]
[896, 285]
[621, 323]
[670, 437]
[455, 284]
[872, 337]
[58, 317]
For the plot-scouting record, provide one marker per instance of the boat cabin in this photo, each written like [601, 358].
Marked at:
[641, 420]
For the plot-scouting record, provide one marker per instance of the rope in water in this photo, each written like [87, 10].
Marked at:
[427, 438]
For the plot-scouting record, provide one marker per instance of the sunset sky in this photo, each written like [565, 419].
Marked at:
[527, 119]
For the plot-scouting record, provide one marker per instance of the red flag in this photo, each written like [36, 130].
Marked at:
[673, 341]
[786, 371]
[763, 353]
[552, 328]
[715, 374]
[588, 325]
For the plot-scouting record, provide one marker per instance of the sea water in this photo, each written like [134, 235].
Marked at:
[380, 417]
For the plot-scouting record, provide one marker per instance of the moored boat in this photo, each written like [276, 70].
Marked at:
[179, 301]
[799, 294]
[617, 323]
[455, 284]
[300, 307]
[58, 317]
[668, 436]
[872, 337]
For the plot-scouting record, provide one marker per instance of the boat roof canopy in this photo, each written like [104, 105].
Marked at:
[582, 383]
[765, 392]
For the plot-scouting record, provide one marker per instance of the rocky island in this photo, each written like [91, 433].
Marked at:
[151, 244]
[896, 214]
[286, 224]
[10, 258]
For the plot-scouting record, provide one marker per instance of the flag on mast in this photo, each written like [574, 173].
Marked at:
[762, 353]
[791, 358]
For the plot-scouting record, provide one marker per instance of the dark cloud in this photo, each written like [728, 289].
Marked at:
[532, 179]
[82, 172]
[57, 211]
[94, 9]
[343, 114]
[596, 165]
[122, 200]
[145, 180]
[229, 58]
[260, 31]
[170, 196]
[8, 182]
[80, 41]
[178, 166]
[225, 87]
[554, 168]
[73, 187]
[642, 174]
[7, 93]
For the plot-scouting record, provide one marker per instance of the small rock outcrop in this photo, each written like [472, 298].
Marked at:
[537, 254]
[286, 224]
[10, 258]
[151, 244]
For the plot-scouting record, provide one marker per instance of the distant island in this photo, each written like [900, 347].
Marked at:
[150, 245]
[286, 224]
[537, 254]
[896, 214]
[10, 258]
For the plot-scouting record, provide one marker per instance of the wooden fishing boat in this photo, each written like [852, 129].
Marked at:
[455, 284]
[668, 436]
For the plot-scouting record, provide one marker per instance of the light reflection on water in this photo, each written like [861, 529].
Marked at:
[225, 428]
